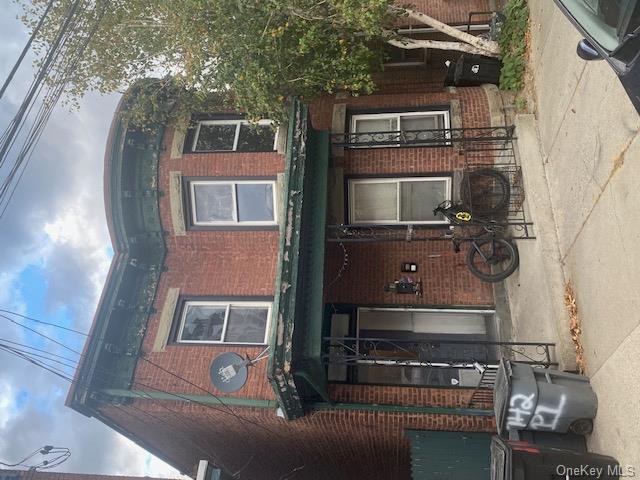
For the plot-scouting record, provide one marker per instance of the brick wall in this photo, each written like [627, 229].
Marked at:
[349, 444]
[445, 277]
[473, 103]
[210, 263]
[334, 444]
[452, 12]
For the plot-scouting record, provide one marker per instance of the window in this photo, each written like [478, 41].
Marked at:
[411, 128]
[228, 202]
[401, 57]
[397, 200]
[224, 322]
[234, 136]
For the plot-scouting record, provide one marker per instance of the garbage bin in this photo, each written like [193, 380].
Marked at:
[474, 70]
[542, 399]
[511, 460]
[564, 441]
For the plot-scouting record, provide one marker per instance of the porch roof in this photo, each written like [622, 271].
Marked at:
[294, 362]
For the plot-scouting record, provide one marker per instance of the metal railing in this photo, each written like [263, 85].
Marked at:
[489, 137]
[478, 355]
[481, 356]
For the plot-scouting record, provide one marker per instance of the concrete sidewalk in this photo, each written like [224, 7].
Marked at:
[535, 296]
[535, 290]
[580, 157]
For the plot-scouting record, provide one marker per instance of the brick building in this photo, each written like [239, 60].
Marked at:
[232, 239]
[39, 475]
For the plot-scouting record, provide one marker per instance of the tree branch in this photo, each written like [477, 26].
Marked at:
[411, 44]
[485, 45]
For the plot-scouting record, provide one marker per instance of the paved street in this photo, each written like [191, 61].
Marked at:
[581, 163]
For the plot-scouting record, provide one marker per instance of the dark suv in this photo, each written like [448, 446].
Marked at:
[612, 32]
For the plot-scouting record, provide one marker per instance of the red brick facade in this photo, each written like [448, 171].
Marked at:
[446, 279]
[348, 444]
[325, 444]
[450, 12]
[338, 443]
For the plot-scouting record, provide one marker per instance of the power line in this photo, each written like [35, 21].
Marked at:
[26, 48]
[35, 355]
[71, 53]
[145, 396]
[227, 409]
[61, 327]
[55, 371]
[37, 349]
[40, 76]
[32, 454]
[62, 453]
[41, 334]
[143, 358]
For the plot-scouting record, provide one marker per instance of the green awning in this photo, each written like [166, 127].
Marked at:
[294, 363]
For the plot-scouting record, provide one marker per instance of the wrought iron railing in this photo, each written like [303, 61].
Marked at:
[477, 355]
[491, 181]
[489, 137]
[516, 228]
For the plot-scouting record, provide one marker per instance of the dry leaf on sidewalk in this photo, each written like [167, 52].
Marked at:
[575, 329]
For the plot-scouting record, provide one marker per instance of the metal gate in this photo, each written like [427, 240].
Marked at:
[449, 455]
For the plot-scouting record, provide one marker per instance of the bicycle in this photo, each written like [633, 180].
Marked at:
[490, 257]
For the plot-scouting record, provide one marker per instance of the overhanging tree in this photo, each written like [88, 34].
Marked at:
[248, 54]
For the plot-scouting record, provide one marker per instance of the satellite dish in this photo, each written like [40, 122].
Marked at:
[229, 372]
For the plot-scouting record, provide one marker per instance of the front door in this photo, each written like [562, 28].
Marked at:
[421, 326]
[419, 322]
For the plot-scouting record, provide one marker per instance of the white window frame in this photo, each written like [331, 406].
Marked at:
[398, 116]
[237, 123]
[408, 63]
[227, 305]
[398, 181]
[233, 183]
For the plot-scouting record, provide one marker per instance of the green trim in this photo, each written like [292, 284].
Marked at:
[320, 389]
[295, 367]
[286, 283]
[132, 204]
[413, 409]
[203, 399]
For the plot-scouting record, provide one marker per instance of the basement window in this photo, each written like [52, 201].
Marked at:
[224, 322]
[234, 136]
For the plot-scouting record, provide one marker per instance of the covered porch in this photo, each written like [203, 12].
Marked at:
[327, 332]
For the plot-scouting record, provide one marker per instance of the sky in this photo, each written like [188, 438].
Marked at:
[54, 255]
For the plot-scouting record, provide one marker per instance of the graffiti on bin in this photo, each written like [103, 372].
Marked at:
[544, 417]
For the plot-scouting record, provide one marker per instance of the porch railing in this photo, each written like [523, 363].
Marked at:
[481, 356]
[460, 354]
[490, 137]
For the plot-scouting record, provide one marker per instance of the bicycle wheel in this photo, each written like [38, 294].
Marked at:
[492, 259]
[486, 191]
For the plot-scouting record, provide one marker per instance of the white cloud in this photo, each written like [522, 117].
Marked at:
[56, 222]
[75, 227]
[7, 409]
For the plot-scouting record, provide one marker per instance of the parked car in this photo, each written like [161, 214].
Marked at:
[612, 32]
